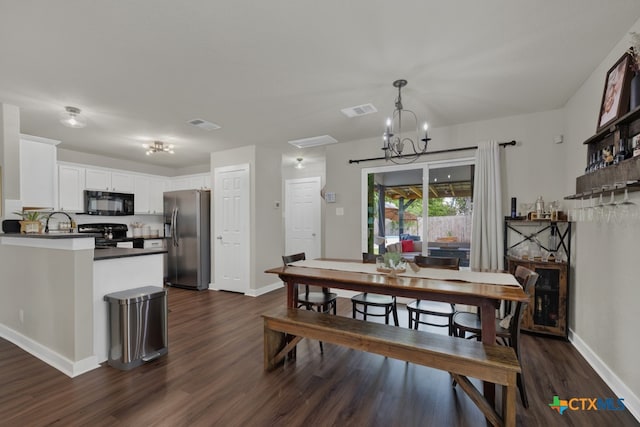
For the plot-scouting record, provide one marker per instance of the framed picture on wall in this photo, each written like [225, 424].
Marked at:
[615, 97]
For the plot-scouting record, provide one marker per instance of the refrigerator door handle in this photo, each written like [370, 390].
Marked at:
[175, 227]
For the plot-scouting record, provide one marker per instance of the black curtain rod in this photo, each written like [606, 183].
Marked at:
[450, 150]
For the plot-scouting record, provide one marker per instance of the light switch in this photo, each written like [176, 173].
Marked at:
[339, 211]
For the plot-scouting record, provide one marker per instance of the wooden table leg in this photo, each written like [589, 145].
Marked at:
[488, 315]
[292, 302]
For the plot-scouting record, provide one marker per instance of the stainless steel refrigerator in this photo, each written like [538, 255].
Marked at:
[187, 217]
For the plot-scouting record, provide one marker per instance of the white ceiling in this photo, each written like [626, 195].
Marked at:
[273, 71]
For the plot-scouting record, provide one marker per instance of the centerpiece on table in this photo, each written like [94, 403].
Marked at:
[391, 263]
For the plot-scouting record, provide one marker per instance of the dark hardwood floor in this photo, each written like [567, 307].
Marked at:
[213, 375]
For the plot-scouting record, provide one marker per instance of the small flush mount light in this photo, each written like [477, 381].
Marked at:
[70, 117]
[158, 147]
[299, 164]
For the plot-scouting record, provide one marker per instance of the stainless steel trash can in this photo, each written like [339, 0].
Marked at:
[138, 326]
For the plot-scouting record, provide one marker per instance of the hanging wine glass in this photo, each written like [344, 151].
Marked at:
[627, 210]
[609, 210]
[598, 210]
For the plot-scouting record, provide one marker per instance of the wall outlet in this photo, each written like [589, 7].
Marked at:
[339, 211]
[21, 315]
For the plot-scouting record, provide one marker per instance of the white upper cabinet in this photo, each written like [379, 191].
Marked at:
[107, 180]
[37, 171]
[141, 194]
[70, 188]
[148, 191]
[201, 181]
[157, 187]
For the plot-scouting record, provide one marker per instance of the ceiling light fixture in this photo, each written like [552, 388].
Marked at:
[70, 117]
[299, 164]
[394, 142]
[158, 147]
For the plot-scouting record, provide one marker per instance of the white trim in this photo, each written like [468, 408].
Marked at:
[631, 401]
[255, 292]
[39, 139]
[50, 357]
[264, 289]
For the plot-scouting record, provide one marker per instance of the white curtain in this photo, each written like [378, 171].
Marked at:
[487, 244]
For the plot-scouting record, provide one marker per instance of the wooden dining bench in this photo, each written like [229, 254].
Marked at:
[284, 328]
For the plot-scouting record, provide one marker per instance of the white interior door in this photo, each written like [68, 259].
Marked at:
[231, 228]
[302, 217]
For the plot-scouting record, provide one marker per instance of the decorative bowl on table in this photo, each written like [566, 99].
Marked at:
[391, 264]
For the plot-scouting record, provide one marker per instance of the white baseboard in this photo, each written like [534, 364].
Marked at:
[631, 401]
[256, 292]
[264, 290]
[48, 356]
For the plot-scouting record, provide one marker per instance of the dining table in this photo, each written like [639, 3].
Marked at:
[482, 289]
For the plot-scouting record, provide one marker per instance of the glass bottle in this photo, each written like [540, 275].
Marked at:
[622, 153]
[539, 207]
[553, 240]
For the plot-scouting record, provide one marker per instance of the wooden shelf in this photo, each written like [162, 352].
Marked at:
[628, 118]
[606, 189]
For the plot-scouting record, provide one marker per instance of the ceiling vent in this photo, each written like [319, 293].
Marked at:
[359, 110]
[314, 141]
[203, 124]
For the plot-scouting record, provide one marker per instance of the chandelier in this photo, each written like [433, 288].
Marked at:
[398, 147]
[158, 147]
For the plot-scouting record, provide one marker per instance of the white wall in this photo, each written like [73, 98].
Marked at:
[535, 166]
[603, 312]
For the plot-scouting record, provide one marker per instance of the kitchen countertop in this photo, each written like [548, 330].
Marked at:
[112, 253]
[53, 235]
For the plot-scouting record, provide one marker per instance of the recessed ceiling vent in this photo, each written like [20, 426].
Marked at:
[203, 124]
[359, 110]
[314, 141]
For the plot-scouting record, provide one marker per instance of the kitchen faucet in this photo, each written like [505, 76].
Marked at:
[46, 226]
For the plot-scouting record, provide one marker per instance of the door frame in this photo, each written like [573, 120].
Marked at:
[318, 225]
[246, 225]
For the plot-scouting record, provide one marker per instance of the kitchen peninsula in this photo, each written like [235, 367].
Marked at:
[51, 296]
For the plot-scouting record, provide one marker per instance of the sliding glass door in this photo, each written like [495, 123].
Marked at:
[397, 208]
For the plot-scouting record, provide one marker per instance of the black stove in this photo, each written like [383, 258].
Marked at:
[108, 235]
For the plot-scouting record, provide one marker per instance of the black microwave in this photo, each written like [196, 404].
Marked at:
[108, 203]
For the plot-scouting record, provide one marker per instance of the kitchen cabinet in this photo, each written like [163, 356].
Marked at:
[153, 243]
[109, 180]
[157, 187]
[70, 188]
[148, 193]
[38, 171]
[141, 194]
[200, 181]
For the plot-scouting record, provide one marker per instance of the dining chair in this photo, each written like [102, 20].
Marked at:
[322, 302]
[433, 308]
[507, 329]
[366, 300]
